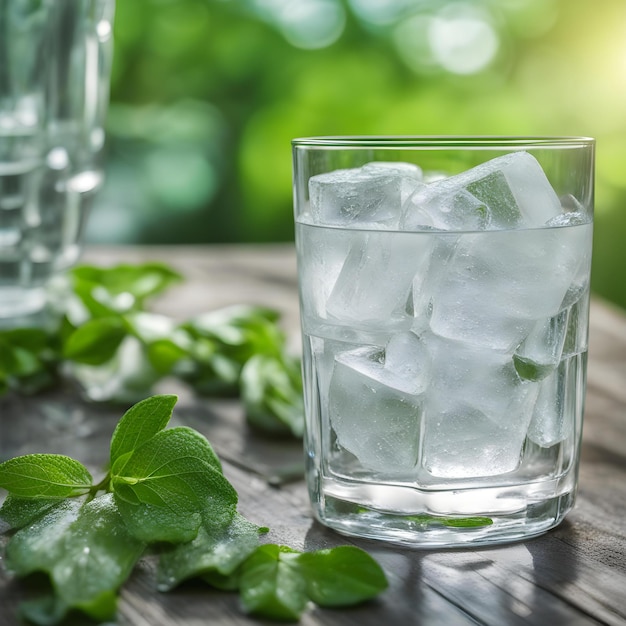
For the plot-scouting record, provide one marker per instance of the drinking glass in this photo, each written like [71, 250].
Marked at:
[55, 58]
[444, 292]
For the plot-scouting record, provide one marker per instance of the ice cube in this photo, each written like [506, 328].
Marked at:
[510, 191]
[410, 175]
[554, 410]
[499, 283]
[539, 354]
[394, 167]
[576, 338]
[573, 218]
[431, 207]
[477, 411]
[374, 410]
[461, 442]
[361, 196]
[374, 284]
[407, 360]
[427, 278]
[475, 375]
[515, 189]
[322, 253]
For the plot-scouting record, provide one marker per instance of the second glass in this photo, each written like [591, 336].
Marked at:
[55, 61]
[444, 289]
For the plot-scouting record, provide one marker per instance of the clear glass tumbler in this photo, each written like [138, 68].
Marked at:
[444, 291]
[55, 58]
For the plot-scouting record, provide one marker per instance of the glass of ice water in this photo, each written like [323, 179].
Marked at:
[55, 58]
[444, 290]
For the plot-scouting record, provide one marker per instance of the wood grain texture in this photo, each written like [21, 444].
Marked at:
[575, 574]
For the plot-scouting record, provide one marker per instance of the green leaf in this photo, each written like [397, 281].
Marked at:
[96, 341]
[36, 547]
[49, 609]
[164, 354]
[127, 378]
[165, 344]
[528, 369]
[46, 610]
[97, 556]
[341, 576]
[217, 549]
[25, 363]
[466, 522]
[239, 332]
[18, 512]
[31, 339]
[8, 362]
[438, 520]
[140, 423]
[167, 483]
[87, 551]
[237, 325]
[272, 584]
[140, 281]
[26, 359]
[271, 391]
[44, 476]
[91, 300]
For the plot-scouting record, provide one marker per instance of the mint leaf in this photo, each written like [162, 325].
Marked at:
[528, 369]
[271, 391]
[18, 512]
[97, 555]
[216, 550]
[37, 547]
[139, 281]
[277, 582]
[126, 378]
[49, 609]
[341, 576]
[453, 522]
[224, 340]
[467, 522]
[165, 344]
[87, 551]
[32, 339]
[140, 423]
[27, 360]
[164, 354]
[272, 585]
[240, 325]
[96, 341]
[45, 610]
[44, 476]
[167, 482]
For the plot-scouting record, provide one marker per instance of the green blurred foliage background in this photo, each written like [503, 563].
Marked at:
[207, 94]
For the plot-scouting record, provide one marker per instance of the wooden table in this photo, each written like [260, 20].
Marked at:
[575, 574]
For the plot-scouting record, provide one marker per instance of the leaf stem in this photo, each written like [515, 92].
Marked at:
[103, 485]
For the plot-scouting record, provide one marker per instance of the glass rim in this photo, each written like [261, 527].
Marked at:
[443, 141]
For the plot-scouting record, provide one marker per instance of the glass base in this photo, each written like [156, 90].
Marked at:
[440, 519]
[18, 302]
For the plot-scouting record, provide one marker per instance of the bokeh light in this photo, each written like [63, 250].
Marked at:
[312, 24]
[462, 39]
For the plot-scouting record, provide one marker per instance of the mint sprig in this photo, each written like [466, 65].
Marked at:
[105, 340]
[279, 582]
[45, 476]
[165, 491]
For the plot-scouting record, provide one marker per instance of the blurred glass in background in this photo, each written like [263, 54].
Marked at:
[207, 94]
